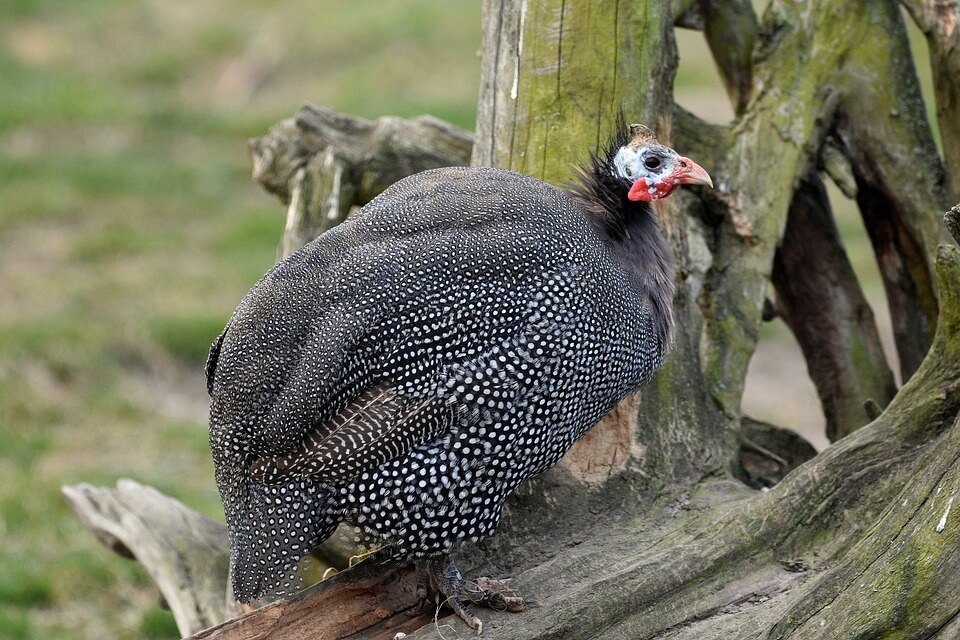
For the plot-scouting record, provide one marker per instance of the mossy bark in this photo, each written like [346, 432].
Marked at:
[860, 542]
[730, 28]
[811, 66]
[940, 22]
[814, 63]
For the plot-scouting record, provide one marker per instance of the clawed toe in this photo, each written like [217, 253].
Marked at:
[443, 577]
[498, 595]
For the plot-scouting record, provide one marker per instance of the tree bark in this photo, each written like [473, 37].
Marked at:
[860, 542]
[940, 22]
[825, 56]
[730, 28]
[186, 554]
[820, 300]
[541, 59]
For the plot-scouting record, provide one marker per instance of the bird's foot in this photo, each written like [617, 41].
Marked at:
[440, 576]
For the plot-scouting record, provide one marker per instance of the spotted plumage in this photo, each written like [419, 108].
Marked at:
[409, 368]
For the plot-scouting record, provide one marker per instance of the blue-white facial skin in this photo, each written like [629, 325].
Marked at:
[650, 163]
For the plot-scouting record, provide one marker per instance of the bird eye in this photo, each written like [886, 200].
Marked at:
[652, 162]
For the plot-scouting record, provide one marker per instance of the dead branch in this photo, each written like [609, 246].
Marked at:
[322, 163]
[186, 553]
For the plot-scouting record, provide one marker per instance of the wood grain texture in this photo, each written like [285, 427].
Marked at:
[371, 601]
[940, 22]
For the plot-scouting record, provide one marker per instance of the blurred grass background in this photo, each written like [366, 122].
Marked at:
[129, 230]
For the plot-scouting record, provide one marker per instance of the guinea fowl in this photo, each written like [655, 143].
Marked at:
[406, 370]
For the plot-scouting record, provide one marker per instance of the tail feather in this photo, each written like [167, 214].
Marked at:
[281, 524]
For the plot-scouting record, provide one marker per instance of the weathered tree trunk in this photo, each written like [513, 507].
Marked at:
[940, 22]
[641, 532]
[186, 554]
[820, 300]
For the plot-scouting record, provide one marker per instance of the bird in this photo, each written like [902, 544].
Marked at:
[406, 370]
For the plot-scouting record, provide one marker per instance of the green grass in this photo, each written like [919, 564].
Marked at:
[15, 623]
[187, 338]
[158, 623]
[21, 585]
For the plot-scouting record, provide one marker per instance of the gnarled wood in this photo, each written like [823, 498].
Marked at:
[769, 453]
[186, 553]
[726, 562]
[730, 27]
[812, 54]
[901, 181]
[940, 22]
[322, 163]
[540, 60]
[361, 601]
[951, 221]
[858, 528]
[820, 300]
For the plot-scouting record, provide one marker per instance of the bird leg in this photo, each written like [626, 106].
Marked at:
[441, 576]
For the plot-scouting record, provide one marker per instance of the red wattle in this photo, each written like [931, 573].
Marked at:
[639, 192]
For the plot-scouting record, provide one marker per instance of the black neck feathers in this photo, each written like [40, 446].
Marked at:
[631, 231]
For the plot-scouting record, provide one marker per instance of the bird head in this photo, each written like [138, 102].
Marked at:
[651, 170]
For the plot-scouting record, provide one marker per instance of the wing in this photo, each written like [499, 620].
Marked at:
[377, 426]
[489, 380]
[337, 360]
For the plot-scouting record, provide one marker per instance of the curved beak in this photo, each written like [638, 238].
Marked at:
[689, 172]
